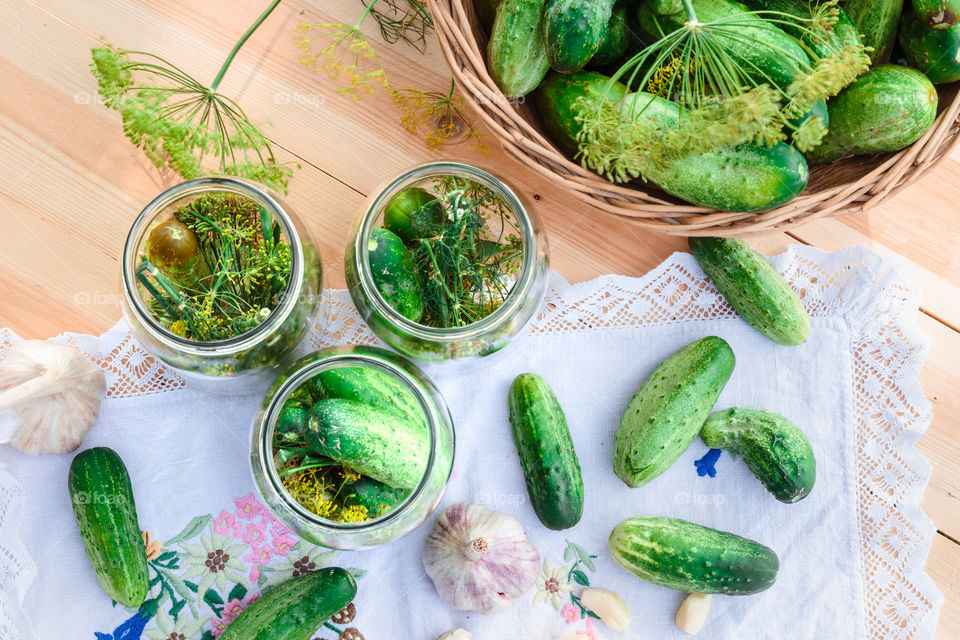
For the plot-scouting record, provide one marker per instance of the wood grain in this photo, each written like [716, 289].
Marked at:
[71, 183]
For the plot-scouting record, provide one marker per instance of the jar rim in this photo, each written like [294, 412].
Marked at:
[335, 357]
[500, 315]
[199, 186]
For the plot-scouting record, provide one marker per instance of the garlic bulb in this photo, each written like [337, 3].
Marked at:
[55, 392]
[478, 559]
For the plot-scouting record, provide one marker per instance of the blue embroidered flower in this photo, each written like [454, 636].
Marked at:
[705, 465]
[132, 628]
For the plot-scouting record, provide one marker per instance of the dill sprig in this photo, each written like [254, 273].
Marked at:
[239, 271]
[403, 20]
[437, 116]
[182, 124]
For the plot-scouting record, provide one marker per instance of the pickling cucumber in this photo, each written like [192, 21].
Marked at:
[293, 610]
[517, 50]
[665, 415]
[573, 30]
[824, 41]
[775, 449]
[550, 465]
[370, 441]
[372, 387]
[615, 39]
[692, 558]
[102, 498]
[413, 213]
[876, 20]
[376, 497]
[753, 288]
[394, 273]
[935, 52]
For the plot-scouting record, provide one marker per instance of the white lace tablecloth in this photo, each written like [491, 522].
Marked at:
[852, 553]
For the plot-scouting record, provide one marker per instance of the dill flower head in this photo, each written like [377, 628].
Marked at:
[828, 77]
[347, 54]
[809, 134]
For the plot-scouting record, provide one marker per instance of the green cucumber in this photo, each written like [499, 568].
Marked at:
[823, 42]
[550, 465]
[413, 213]
[692, 558]
[886, 109]
[517, 49]
[376, 497]
[370, 441]
[394, 273]
[877, 21]
[665, 7]
[753, 288]
[574, 30]
[556, 102]
[372, 387]
[290, 422]
[102, 498]
[765, 52]
[615, 40]
[665, 415]
[937, 14]
[935, 52]
[293, 610]
[775, 449]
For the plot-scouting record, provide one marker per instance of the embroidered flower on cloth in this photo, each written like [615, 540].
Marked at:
[305, 559]
[552, 585]
[231, 610]
[213, 561]
[183, 629]
[248, 507]
[570, 613]
[224, 522]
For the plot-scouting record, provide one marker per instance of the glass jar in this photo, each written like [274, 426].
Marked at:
[250, 355]
[479, 338]
[400, 519]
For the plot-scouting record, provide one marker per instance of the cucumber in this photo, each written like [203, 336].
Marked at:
[371, 441]
[616, 38]
[690, 557]
[376, 497]
[665, 415]
[937, 14]
[753, 288]
[877, 21]
[372, 387]
[935, 52]
[826, 41]
[293, 610]
[394, 273]
[517, 49]
[766, 52]
[574, 30]
[886, 109]
[413, 213]
[775, 449]
[748, 178]
[106, 514]
[549, 462]
[665, 7]
[290, 422]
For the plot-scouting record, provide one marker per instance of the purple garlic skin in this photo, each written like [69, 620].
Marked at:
[478, 559]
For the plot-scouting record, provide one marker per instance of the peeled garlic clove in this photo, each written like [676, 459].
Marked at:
[456, 634]
[478, 559]
[609, 606]
[55, 391]
[693, 613]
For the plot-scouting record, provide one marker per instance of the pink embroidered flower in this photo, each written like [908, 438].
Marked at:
[454, 474]
[283, 543]
[570, 613]
[261, 556]
[254, 573]
[235, 607]
[248, 507]
[237, 530]
[219, 626]
[588, 633]
[255, 534]
[224, 523]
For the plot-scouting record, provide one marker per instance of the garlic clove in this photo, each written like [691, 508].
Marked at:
[478, 559]
[55, 392]
[456, 634]
[692, 614]
[611, 608]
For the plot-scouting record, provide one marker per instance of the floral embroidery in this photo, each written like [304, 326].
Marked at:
[570, 613]
[705, 465]
[214, 561]
[153, 547]
[181, 629]
[552, 584]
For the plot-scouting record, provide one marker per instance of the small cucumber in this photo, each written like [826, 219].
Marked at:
[877, 21]
[689, 557]
[574, 30]
[886, 109]
[517, 50]
[394, 273]
[372, 387]
[775, 449]
[103, 503]
[549, 462]
[937, 14]
[665, 415]
[371, 441]
[556, 102]
[293, 610]
[291, 422]
[753, 288]
[935, 52]
[413, 213]
[615, 40]
[376, 497]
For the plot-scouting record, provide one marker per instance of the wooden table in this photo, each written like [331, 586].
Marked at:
[71, 183]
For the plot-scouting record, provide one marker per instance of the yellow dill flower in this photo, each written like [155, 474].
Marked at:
[440, 117]
[827, 78]
[354, 513]
[348, 54]
[349, 476]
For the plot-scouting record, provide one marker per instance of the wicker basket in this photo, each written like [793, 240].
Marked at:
[845, 186]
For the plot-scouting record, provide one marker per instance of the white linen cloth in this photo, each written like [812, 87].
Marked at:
[851, 554]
